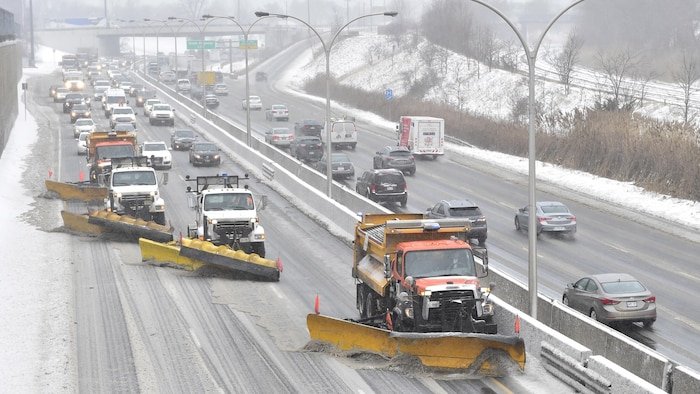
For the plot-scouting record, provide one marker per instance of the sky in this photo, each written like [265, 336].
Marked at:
[35, 287]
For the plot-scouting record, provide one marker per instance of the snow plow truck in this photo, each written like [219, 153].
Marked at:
[418, 293]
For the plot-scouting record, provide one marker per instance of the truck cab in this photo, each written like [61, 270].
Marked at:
[102, 147]
[133, 190]
[226, 214]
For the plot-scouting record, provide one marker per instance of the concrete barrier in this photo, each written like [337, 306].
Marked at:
[622, 381]
[685, 380]
[11, 66]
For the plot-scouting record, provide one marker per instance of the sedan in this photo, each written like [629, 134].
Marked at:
[255, 103]
[83, 124]
[610, 298]
[82, 142]
[220, 89]
[182, 139]
[211, 101]
[551, 217]
[79, 111]
[398, 157]
[280, 137]
[341, 166]
[205, 153]
[277, 112]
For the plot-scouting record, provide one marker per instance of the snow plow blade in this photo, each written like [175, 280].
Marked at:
[131, 227]
[485, 354]
[166, 253]
[229, 259]
[83, 191]
[79, 224]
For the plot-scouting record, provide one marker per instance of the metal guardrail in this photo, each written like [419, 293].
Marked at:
[268, 170]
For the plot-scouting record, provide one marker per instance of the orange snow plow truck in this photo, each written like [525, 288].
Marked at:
[418, 294]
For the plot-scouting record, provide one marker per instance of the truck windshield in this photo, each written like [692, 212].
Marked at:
[133, 178]
[447, 262]
[228, 202]
[111, 151]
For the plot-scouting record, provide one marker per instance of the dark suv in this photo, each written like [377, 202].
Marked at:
[463, 208]
[72, 98]
[383, 186]
[308, 127]
[306, 148]
[398, 157]
[205, 153]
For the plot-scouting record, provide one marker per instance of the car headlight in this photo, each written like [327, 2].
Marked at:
[72, 113]
[87, 113]
[196, 156]
[216, 156]
[259, 237]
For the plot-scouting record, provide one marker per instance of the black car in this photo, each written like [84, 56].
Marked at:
[341, 166]
[72, 98]
[306, 148]
[142, 95]
[308, 127]
[462, 208]
[182, 139]
[134, 90]
[197, 93]
[387, 185]
[79, 111]
[205, 153]
[398, 157]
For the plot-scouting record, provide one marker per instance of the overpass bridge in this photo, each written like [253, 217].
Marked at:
[107, 39]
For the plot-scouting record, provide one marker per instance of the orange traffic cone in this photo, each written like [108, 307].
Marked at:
[317, 305]
[517, 324]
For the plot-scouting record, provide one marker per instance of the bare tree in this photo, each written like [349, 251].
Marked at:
[428, 54]
[685, 76]
[486, 46]
[565, 61]
[643, 80]
[193, 8]
[460, 85]
[616, 68]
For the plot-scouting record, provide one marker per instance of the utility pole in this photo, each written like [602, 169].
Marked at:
[106, 18]
[32, 62]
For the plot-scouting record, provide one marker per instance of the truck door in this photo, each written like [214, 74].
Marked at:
[428, 138]
[404, 131]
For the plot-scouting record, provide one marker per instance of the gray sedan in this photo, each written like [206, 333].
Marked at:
[610, 298]
[551, 216]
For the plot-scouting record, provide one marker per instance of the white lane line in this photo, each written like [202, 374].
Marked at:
[195, 339]
[277, 292]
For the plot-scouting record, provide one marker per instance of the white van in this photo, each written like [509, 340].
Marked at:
[343, 134]
[113, 98]
[183, 85]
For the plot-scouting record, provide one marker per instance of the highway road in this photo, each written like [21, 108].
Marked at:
[609, 238]
[142, 327]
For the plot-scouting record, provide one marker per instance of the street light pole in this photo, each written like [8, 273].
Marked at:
[327, 51]
[247, 82]
[531, 55]
[201, 33]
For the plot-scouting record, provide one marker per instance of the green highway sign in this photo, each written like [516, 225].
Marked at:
[197, 44]
[249, 44]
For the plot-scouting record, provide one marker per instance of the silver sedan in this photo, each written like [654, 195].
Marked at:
[610, 298]
[551, 216]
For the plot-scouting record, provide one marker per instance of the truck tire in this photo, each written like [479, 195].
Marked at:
[361, 292]
[159, 217]
[258, 248]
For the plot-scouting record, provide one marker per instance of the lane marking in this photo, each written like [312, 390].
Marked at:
[195, 339]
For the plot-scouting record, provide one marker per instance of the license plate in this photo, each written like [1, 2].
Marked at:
[631, 304]
[389, 188]
[341, 169]
[558, 228]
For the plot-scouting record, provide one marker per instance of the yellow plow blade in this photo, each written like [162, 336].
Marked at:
[131, 227]
[235, 260]
[83, 191]
[483, 353]
[79, 223]
[166, 253]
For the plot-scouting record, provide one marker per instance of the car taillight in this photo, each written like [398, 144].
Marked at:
[650, 300]
[544, 219]
[373, 188]
[572, 218]
[607, 301]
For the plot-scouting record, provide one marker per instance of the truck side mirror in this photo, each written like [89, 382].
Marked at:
[262, 203]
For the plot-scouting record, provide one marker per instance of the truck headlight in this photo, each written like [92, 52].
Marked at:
[159, 207]
[259, 237]
[408, 312]
[488, 308]
[216, 157]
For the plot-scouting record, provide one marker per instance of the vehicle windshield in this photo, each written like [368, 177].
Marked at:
[205, 147]
[447, 262]
[400, 153]
[279, 107]
[228, 201]
[83, 136]
[622, 287]
[280, 131]
[124, 127]
[554, 209]
[154, 147]
[81, 107]
[84, 122]
[133, 178]
[112, 151]
[184, 133]
[339, 158]
[464, 212]
[115, 99]
[161, 108]
[122, 111]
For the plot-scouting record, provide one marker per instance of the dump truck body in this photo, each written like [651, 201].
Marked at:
[102, 147]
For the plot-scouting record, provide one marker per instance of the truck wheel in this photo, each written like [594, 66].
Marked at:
[482, 240]
[159, 217]
[259, 248]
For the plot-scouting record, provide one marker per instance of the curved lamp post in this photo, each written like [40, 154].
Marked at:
[133, 42]
[327, 50]
[531, 55]
[165, 24]
[247, 84]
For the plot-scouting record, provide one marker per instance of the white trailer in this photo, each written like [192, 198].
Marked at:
[422, 135]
